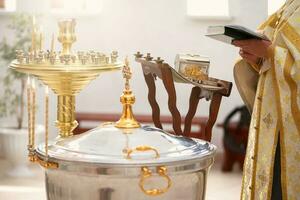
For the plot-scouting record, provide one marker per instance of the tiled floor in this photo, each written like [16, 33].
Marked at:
[220, 186]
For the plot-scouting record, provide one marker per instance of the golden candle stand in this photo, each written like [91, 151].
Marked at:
[65, 73]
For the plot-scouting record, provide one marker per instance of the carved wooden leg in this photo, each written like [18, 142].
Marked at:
[152, 100]
[194, 100]
[169, 85]
[213, 113]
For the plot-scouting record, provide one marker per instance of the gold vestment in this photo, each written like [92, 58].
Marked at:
[276, 109]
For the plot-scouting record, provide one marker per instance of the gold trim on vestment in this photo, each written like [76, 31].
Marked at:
[270, 22]
[255, 67]
[256, 109]
[293, 87]
[257, 129]
[243, 179]
[282, 146]
[292, 35]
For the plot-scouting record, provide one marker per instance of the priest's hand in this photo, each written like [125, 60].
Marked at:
[258, 48]
[250, 58]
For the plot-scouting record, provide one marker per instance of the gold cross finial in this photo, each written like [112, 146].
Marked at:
[127, 119]
[127, 73]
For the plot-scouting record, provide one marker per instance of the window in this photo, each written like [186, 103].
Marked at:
[274, 5]
[208, 8]
[85, 7]
[8, 5]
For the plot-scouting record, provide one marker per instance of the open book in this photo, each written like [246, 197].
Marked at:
[229, 33]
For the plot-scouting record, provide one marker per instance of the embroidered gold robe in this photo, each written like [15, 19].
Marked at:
[276, 112]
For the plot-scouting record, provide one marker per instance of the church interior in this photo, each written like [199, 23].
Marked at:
[84, 83]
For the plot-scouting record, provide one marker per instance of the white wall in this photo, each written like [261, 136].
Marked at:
[162, 28]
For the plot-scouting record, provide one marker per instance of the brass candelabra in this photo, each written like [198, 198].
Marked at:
[65, 72]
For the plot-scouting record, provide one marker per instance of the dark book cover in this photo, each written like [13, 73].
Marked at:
[233, 32]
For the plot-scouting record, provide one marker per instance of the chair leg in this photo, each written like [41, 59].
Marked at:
[152, 100]
[213, 114]
[194, 101]
[167, 79]
[228, 161]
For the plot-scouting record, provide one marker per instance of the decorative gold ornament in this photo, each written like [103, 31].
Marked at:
[45, 163]
[194, 72]
[127, 119]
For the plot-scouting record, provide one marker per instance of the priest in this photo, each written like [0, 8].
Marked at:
[268, 79]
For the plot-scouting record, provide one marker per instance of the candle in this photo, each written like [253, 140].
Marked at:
[33, 42]
[41, 41]
[33, 35]
[29, 110]
[33, 20]
[46, 119]
[33, 113]
[52, 43]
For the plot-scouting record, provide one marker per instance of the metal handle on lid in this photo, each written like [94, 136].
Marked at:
[146, 174]
[142, 149]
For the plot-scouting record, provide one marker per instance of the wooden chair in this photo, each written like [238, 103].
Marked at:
[157, 68]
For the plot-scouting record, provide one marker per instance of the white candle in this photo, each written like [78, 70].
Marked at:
[52, 43]
[33, 113]
[32, 42]
[33, 35]
[46, 119]
[41, 41]
[29, 110]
